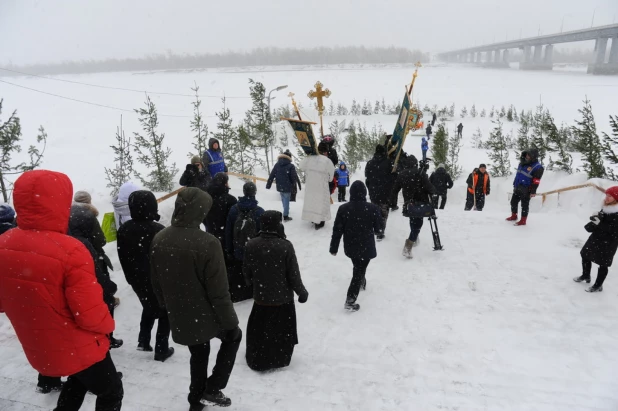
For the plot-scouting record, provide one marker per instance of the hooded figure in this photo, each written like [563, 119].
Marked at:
[319, 172]
[243, 224]
[59, 314]
[195, 175]
[272, 269]
[357, 222]
[343, 180]
[424, 147]
[7, 218]
[285, 176]
[222, 203]
[603, 241]
[332, 151]
[122, 214]
[213, 160]
[379, 178]
[189, 279]
[134, 240]
[525, 184]
[442, 181]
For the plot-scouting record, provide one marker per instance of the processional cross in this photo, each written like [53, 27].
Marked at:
[319, 94]
[291, 95]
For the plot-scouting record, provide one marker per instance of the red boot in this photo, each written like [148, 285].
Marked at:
[522, 221]
[513, 217]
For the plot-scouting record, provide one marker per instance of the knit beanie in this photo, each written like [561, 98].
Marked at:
[196, 160]
[482, 166]
[613, 191]
[7, 214]
[82, 197]
[249, 189]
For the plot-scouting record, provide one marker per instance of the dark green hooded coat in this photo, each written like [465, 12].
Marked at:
[188, 273]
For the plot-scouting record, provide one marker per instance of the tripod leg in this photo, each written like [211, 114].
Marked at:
[437, 244]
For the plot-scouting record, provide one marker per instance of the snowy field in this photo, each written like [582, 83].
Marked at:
[493, 322]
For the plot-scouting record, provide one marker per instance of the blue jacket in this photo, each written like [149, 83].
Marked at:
[424, 144]
[284, 174]
[528, 176]
[244, 203]
[343, 175]
[213, 159]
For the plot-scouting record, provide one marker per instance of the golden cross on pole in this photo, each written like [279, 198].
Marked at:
[291, 95]
[319, 94]
[417, 65]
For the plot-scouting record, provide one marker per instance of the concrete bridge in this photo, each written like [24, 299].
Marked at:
[538, 51]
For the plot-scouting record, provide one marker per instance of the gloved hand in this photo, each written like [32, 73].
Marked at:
[231, 335]
[192, 167]
[303, 297]
[595, 219]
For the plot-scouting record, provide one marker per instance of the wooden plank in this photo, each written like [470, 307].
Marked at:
[170, 195]
[253, 178]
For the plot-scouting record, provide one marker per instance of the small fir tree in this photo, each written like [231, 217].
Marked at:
[556, 145]
[199, 128]
[483, 113]
[376, 108]
[439, 148]
[477, 139]
[452, 163]
[539, 127]
[351, 148]
[608, 147]
[588, 143]
[123, 159]
[498, 151]
[523, 141]
[464, 112]
[258, 121]
[473, 111]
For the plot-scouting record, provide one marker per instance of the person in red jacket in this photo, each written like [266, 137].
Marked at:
[49, 292]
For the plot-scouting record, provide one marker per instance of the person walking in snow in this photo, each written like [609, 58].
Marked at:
[525, 184]
[379, 179]
[603, 241]
[134, 241]
[213, 160]
[343, 180]
[243, 224]
[443, 182]
[7, 218]
[195, 175]
[459, 130]
[416, 190]
[222, 203]
[478, 187]
[319, 172]
[357, 222]
[433, 119]
[272, 270]
[424, 147]
[122, 214]
[285, 176]
[332, 151]
[428, 131]
[189, 280]
[63, 326]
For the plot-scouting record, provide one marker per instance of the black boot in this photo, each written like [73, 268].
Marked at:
[144, 347]
[582, 278]
[115, 342]
[598, 284]
[351, 306]
[216, 398]
[164, 355]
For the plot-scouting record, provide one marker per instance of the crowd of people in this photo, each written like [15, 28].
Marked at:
[55, 285]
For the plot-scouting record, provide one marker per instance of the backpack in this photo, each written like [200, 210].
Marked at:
[245, 228]
[109, 227]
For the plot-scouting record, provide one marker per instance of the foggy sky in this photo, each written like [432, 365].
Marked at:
[44, 31]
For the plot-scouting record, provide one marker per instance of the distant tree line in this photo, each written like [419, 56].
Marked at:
[271, 56]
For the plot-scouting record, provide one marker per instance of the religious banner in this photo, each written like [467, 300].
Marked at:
[401, 128]
[304, 134]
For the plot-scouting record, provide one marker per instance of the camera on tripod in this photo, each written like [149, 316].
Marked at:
[423, 165]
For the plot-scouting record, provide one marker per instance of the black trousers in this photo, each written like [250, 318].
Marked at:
[220, 373]
[384, 211]
[436, 197]
[149, 316]
[525, 203]
[358, 276]
[342, 192]
[101, 379]
[480, 201]
[601, 274]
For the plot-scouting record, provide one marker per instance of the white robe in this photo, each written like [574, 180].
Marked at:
[319, 171]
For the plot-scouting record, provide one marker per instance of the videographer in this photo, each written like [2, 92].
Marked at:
[195, 176]
[414, 183]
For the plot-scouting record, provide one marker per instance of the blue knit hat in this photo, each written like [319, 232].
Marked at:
[7, 214]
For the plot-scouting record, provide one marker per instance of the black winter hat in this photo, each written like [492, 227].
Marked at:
[380, 149]
[322, 148]
[287, 153]
[143, 206]
[358, 191]
[271, 220]
[482, 166]
[249, 189]
[220, 179]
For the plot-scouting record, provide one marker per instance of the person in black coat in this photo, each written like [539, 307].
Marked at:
[379, 178]
[272, 270]
[433, 119]
[442, 181]
[416, 190]
[195, 175]
[332, 151]
[222, 203]
[479, 186]
[357, 222]
[285, 176]
[83, 227]
[602, 243]
[134, 238]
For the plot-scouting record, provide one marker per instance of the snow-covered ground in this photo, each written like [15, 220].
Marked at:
[493, 322]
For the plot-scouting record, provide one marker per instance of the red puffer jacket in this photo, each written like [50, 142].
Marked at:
[48, 288]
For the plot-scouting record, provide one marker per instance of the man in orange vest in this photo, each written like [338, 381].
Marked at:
[478, 188]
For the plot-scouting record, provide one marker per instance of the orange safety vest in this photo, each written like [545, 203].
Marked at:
[475, 178]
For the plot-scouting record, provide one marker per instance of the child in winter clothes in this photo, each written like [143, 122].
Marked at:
[357, 222]
[425, 147]
[602, 243]
[343, 180]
